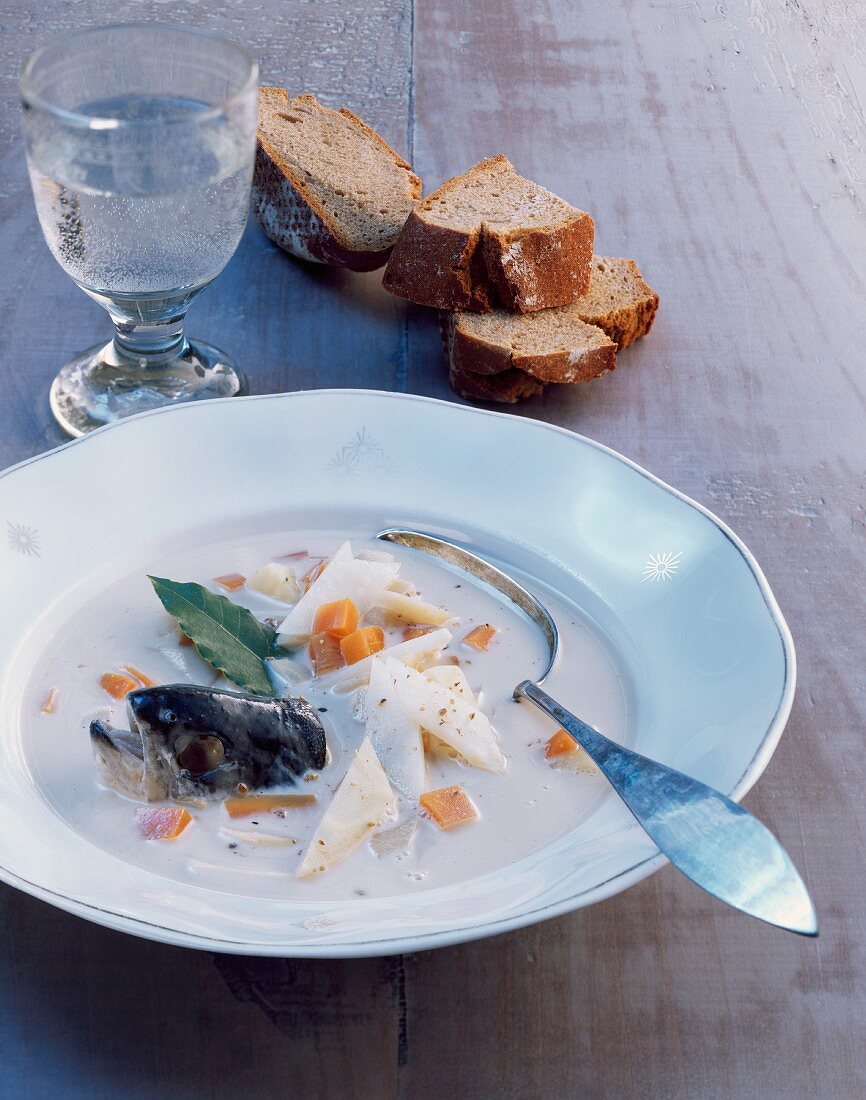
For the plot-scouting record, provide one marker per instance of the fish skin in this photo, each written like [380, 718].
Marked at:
[266, 741]
[119, 758]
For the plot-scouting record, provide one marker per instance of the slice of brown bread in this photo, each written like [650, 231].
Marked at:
[508, 387]
[327, 187]
[552, 346]
[619, 301]
[491, 237]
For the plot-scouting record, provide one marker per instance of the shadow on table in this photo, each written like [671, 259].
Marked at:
[85, 1011]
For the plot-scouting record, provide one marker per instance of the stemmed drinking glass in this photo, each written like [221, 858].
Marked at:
[140, 144]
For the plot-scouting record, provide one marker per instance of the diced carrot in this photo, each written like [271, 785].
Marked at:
[142, 677]
[117, 686]
[338, 618]
[161, 822]
[560, 744]
[410, 632]
[481, 637]
[448, 806]
[184, 639]
[50, 702]
[314, 574]
[325, 653]
[231, 581]
[266, 803]
[425, 740]
[362, 643]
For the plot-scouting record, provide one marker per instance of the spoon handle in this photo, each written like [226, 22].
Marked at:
[712, 840]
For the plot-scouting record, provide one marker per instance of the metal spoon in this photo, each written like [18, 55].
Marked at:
[712, 840]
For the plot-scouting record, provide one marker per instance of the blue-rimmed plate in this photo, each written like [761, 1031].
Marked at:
[703, 658]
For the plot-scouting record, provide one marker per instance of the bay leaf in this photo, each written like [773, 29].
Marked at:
[227, 636]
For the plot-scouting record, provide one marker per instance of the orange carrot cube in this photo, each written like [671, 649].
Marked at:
[142, 677]
[161, 822]
[184, 639]
[481, 637]
[410, 632]
[362, 643]
[325, 653]
[338, 618]
[50, 702]
[448, 806]
[560, 744]
[117, 686]
[231, 581]
[266, 803]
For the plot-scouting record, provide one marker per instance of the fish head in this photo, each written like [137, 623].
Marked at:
[185, 738]
[202, 741]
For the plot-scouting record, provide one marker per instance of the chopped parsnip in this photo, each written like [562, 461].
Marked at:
[395, 737]
[277, 581]
[451, 717]
[263, 840]
[362, 801]
[411, 609]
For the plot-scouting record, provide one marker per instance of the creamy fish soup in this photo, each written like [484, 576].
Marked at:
[374, 750]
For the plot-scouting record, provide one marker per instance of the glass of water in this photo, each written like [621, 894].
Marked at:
[140, 144]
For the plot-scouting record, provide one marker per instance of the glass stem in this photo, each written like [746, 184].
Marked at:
[149, 345]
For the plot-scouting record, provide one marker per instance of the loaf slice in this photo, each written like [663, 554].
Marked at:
[552, 346]
[327, 187]
[492, 238]
[619, 301]
[507, 387]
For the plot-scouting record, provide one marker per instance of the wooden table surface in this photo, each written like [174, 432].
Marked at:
[724, 146]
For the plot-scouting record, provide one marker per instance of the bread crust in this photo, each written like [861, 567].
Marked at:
[506, 388]
[523, 269]
[291, 215]
[470, 354]
[630, 320]
[445, 262]
[534, 269]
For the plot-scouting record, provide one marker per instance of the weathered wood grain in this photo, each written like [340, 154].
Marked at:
[724, 147]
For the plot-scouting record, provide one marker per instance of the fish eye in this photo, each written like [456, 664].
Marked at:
[168, 716]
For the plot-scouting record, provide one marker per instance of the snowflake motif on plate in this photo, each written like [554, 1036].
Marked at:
[661, 567]
[23, 539]
[362, 454]
[318, 924]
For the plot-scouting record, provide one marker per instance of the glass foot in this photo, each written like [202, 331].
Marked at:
[99, 387]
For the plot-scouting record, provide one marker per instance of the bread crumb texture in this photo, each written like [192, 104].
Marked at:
[326, 183]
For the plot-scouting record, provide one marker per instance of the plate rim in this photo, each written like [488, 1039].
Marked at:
[617, 883]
